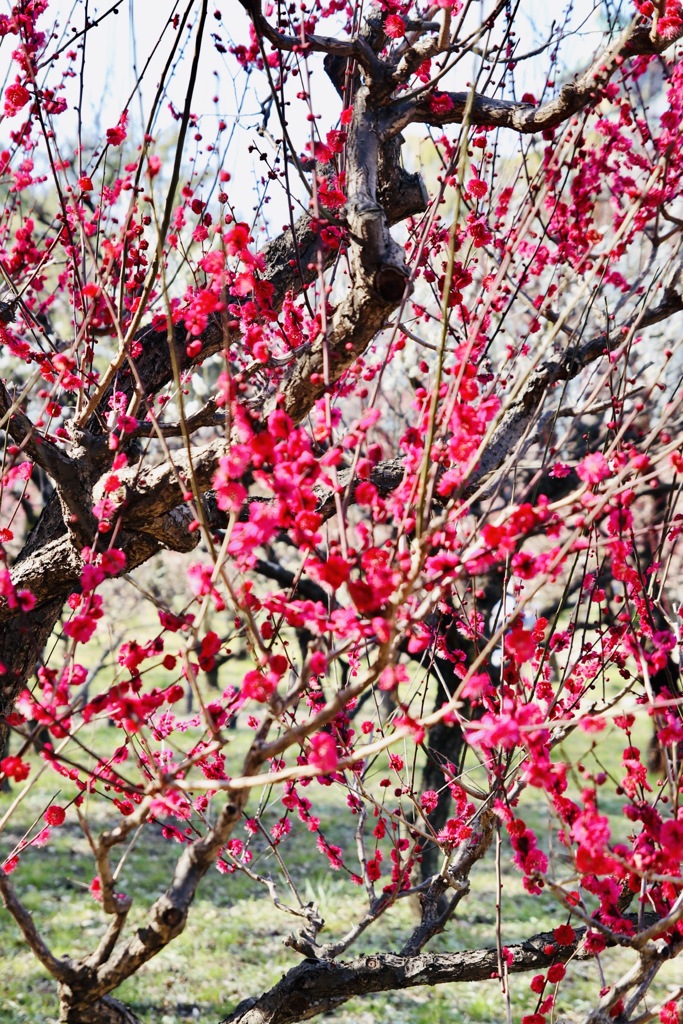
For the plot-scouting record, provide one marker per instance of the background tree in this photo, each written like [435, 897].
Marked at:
[419, 451]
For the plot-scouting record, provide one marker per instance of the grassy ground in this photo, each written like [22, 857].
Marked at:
[233, 945]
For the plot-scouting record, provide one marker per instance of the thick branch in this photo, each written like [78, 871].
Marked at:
[318, 986]
[356, 49]
[104, 1011]
[153, 492]
[165, 920]
[65, 472]
[41, 451]
[51, 573]
[519, 416]
[527, 118]
[378, 271]
[291, 265]
[207, 416]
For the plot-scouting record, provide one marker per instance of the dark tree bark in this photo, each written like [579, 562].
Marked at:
[319, 986]
[446, 742]
[102, 1011]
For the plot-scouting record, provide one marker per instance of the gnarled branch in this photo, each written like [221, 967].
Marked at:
[527, 118]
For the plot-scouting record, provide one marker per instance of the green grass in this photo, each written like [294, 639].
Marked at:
[233, 945]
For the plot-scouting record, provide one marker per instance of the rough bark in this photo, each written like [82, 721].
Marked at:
[318, 986]
[528, 118]
[102, 1011]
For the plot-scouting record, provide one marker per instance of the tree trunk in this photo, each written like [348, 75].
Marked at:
[103, 1011]
[22, 641]
[446, 742]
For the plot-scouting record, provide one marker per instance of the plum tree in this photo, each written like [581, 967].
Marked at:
[418, 450]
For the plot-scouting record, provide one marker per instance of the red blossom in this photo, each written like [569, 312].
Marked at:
[14, 768]
[477, 188]
[16, 97]
[593, 468]
[440, 103]
[429, 800]
[564, 934]
[116, 135]
[394, 26]
[323, 752]
[521, 645]
[668, 1013]
[55, 815]
[237, 239]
